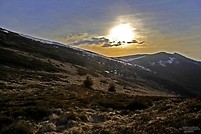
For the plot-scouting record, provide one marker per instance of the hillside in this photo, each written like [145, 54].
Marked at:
[43, 90]
[23, 56]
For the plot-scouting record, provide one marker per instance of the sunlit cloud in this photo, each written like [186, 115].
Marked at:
[88, 40]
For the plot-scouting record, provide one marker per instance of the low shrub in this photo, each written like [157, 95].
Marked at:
[104, 81]
[36, 113]
[139, 103]
[5, 121]
[88, 82]
[111, 88]
[136, 106]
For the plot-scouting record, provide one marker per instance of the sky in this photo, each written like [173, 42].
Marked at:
[162, 25]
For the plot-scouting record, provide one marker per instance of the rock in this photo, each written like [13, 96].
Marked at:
[151, 121]
[160, 118]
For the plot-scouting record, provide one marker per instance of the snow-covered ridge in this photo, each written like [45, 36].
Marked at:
[48, 42]
[42, 40]
[143, 68]
[132, 59]
[84, 52]
[5, 31]
[127, 60]
[60, 44]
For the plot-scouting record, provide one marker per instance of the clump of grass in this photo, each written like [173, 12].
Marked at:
[136, 106]
[31, 112]
[20, 127]
[139, 103]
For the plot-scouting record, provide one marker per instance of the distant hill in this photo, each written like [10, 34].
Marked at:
[175, 68]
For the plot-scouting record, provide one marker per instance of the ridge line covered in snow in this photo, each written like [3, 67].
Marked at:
[132, 59]
[5, 31]
[84, 52]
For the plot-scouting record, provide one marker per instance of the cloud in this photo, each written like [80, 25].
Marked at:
[92, 41]
[116, 44]
[73, 38]
[88, 40]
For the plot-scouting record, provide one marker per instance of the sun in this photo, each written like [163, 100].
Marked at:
[122, 33]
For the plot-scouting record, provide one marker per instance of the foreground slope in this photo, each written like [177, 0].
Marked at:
[75, 109]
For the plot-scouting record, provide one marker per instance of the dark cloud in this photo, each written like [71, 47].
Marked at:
[107, 45]
[133, 41]
[112, 45]
[119, 43]
[141, 42]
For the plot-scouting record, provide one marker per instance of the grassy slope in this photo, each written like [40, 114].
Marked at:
[26, 107]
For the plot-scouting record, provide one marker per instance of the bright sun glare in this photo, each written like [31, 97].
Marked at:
[122, 33]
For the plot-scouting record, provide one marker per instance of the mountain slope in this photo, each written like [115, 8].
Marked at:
[24, 57]
[42, 90]
[46, 49]
[175, 68]
[163, 72]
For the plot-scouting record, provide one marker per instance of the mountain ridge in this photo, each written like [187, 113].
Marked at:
[172, 67]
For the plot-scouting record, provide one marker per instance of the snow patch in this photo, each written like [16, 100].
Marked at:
[89, 54]
[132, 59]
[40, 40]
[171, 60]
[152, 63]
[5, 31]
[107, 72]
[142, 67]
[164, 63]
